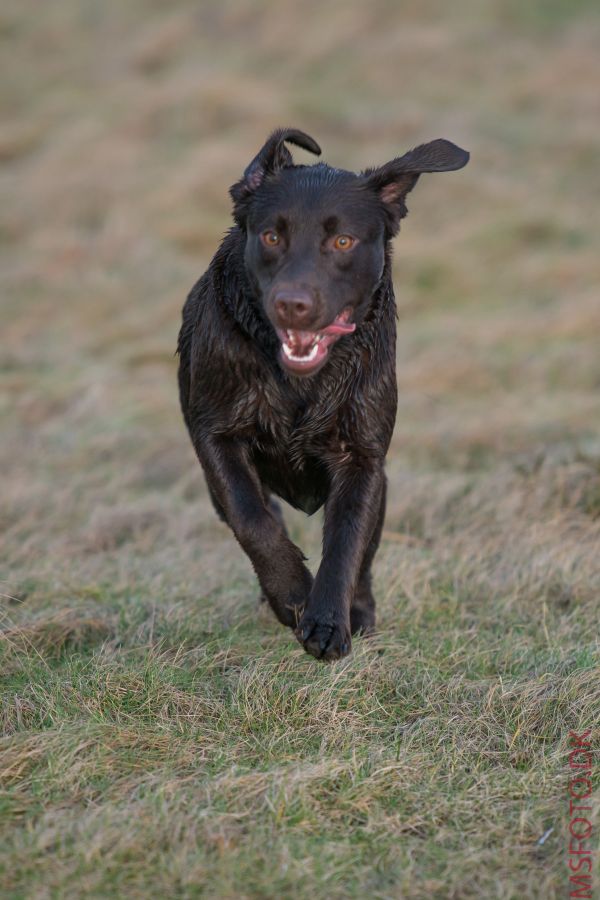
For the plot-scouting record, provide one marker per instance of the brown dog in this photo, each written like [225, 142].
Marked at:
[287, 374]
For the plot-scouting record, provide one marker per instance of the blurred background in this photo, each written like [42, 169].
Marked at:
[123, 125]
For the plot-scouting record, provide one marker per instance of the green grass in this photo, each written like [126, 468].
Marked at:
[162, 736]
[431, 759]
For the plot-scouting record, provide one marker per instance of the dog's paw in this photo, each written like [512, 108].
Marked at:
[324, 637]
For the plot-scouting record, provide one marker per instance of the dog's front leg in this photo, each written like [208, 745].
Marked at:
[351, 516]
[235, 486]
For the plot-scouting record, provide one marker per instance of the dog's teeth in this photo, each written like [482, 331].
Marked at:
[308, 358]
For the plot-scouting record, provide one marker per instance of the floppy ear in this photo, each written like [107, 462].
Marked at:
[394, 180]
[272, 157]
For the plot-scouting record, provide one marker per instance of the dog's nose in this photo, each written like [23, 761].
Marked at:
[293, 309]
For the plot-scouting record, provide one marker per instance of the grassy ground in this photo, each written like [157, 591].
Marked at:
[162, 736]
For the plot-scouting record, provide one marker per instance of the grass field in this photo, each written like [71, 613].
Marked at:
[162, 735]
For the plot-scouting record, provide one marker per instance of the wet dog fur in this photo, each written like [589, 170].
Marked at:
[287, 374]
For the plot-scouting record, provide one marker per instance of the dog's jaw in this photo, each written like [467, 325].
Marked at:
[305, 352]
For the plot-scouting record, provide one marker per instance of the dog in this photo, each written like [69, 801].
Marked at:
[287, 379]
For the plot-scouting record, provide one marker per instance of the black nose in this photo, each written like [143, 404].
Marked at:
[293, 309]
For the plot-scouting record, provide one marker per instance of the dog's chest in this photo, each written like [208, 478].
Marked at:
[290, 440]
[279, 420]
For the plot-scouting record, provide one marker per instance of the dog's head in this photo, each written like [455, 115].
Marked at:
[316, 238]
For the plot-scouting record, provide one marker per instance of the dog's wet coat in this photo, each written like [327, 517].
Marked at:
[287, 374]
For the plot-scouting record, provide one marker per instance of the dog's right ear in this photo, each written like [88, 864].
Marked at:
[394, 180]
[272, 157]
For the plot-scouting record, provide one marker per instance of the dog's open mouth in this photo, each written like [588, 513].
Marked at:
[303, 352]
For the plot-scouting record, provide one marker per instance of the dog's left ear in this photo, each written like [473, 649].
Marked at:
[272, 157]
[394, 180]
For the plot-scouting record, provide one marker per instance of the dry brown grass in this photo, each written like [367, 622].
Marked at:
[161, 735]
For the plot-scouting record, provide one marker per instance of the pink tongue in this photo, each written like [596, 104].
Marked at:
[302, 341]
[339, 328]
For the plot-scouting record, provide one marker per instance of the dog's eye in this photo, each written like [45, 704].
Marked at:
[343, 242]
[270, 238]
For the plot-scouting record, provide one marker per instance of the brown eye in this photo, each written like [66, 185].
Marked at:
[270, 238]
[343, 242]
